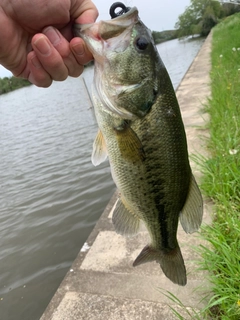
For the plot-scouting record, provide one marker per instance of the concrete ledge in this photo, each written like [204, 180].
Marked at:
[77, 306]
[102, 284]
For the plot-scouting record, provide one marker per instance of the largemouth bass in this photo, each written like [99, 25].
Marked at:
[142, 133]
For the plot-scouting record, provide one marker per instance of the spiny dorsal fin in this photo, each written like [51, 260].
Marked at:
[99, 153]
[192, 212]
[125, 222]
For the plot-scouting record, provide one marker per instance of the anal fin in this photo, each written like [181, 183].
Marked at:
[192, 212]
[124, 221]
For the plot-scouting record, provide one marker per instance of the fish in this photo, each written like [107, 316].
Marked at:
[141, 132]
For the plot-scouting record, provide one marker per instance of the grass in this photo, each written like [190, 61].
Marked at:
[221, 173]
[184, 313]
[221, 179]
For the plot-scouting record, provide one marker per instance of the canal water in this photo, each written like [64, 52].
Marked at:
[50, 193]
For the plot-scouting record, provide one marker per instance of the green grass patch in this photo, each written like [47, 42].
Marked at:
[221, 182]
[221, 173]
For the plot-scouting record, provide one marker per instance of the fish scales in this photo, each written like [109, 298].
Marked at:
[149, 176]
[142, 133]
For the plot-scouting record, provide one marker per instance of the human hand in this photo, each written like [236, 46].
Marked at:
[36, 40]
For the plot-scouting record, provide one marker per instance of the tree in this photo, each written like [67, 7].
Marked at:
[199, 17]
[9, 84]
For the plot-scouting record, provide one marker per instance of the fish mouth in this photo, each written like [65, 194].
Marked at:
[95, 34]
[114, 27]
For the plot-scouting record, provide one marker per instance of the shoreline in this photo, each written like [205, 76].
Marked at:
[11, 84]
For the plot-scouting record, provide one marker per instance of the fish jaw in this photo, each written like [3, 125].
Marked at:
[104, 34]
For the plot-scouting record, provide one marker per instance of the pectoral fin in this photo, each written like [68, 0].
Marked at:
[124, 221]
[129, 144]
[192, 212]
[99, 153]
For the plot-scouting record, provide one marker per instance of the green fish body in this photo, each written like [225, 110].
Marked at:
[142, 133]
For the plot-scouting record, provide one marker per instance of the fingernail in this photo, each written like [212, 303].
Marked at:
[78, 49]
[36, 63]
[52, 35]
[43, 46]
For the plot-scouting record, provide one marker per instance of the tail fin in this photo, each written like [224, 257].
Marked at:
[171, 262]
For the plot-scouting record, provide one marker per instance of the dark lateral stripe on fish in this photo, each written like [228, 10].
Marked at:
[162, 219]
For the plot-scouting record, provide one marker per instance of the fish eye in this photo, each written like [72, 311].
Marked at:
[142, 43]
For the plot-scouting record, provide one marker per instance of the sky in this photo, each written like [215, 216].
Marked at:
[157, 15]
